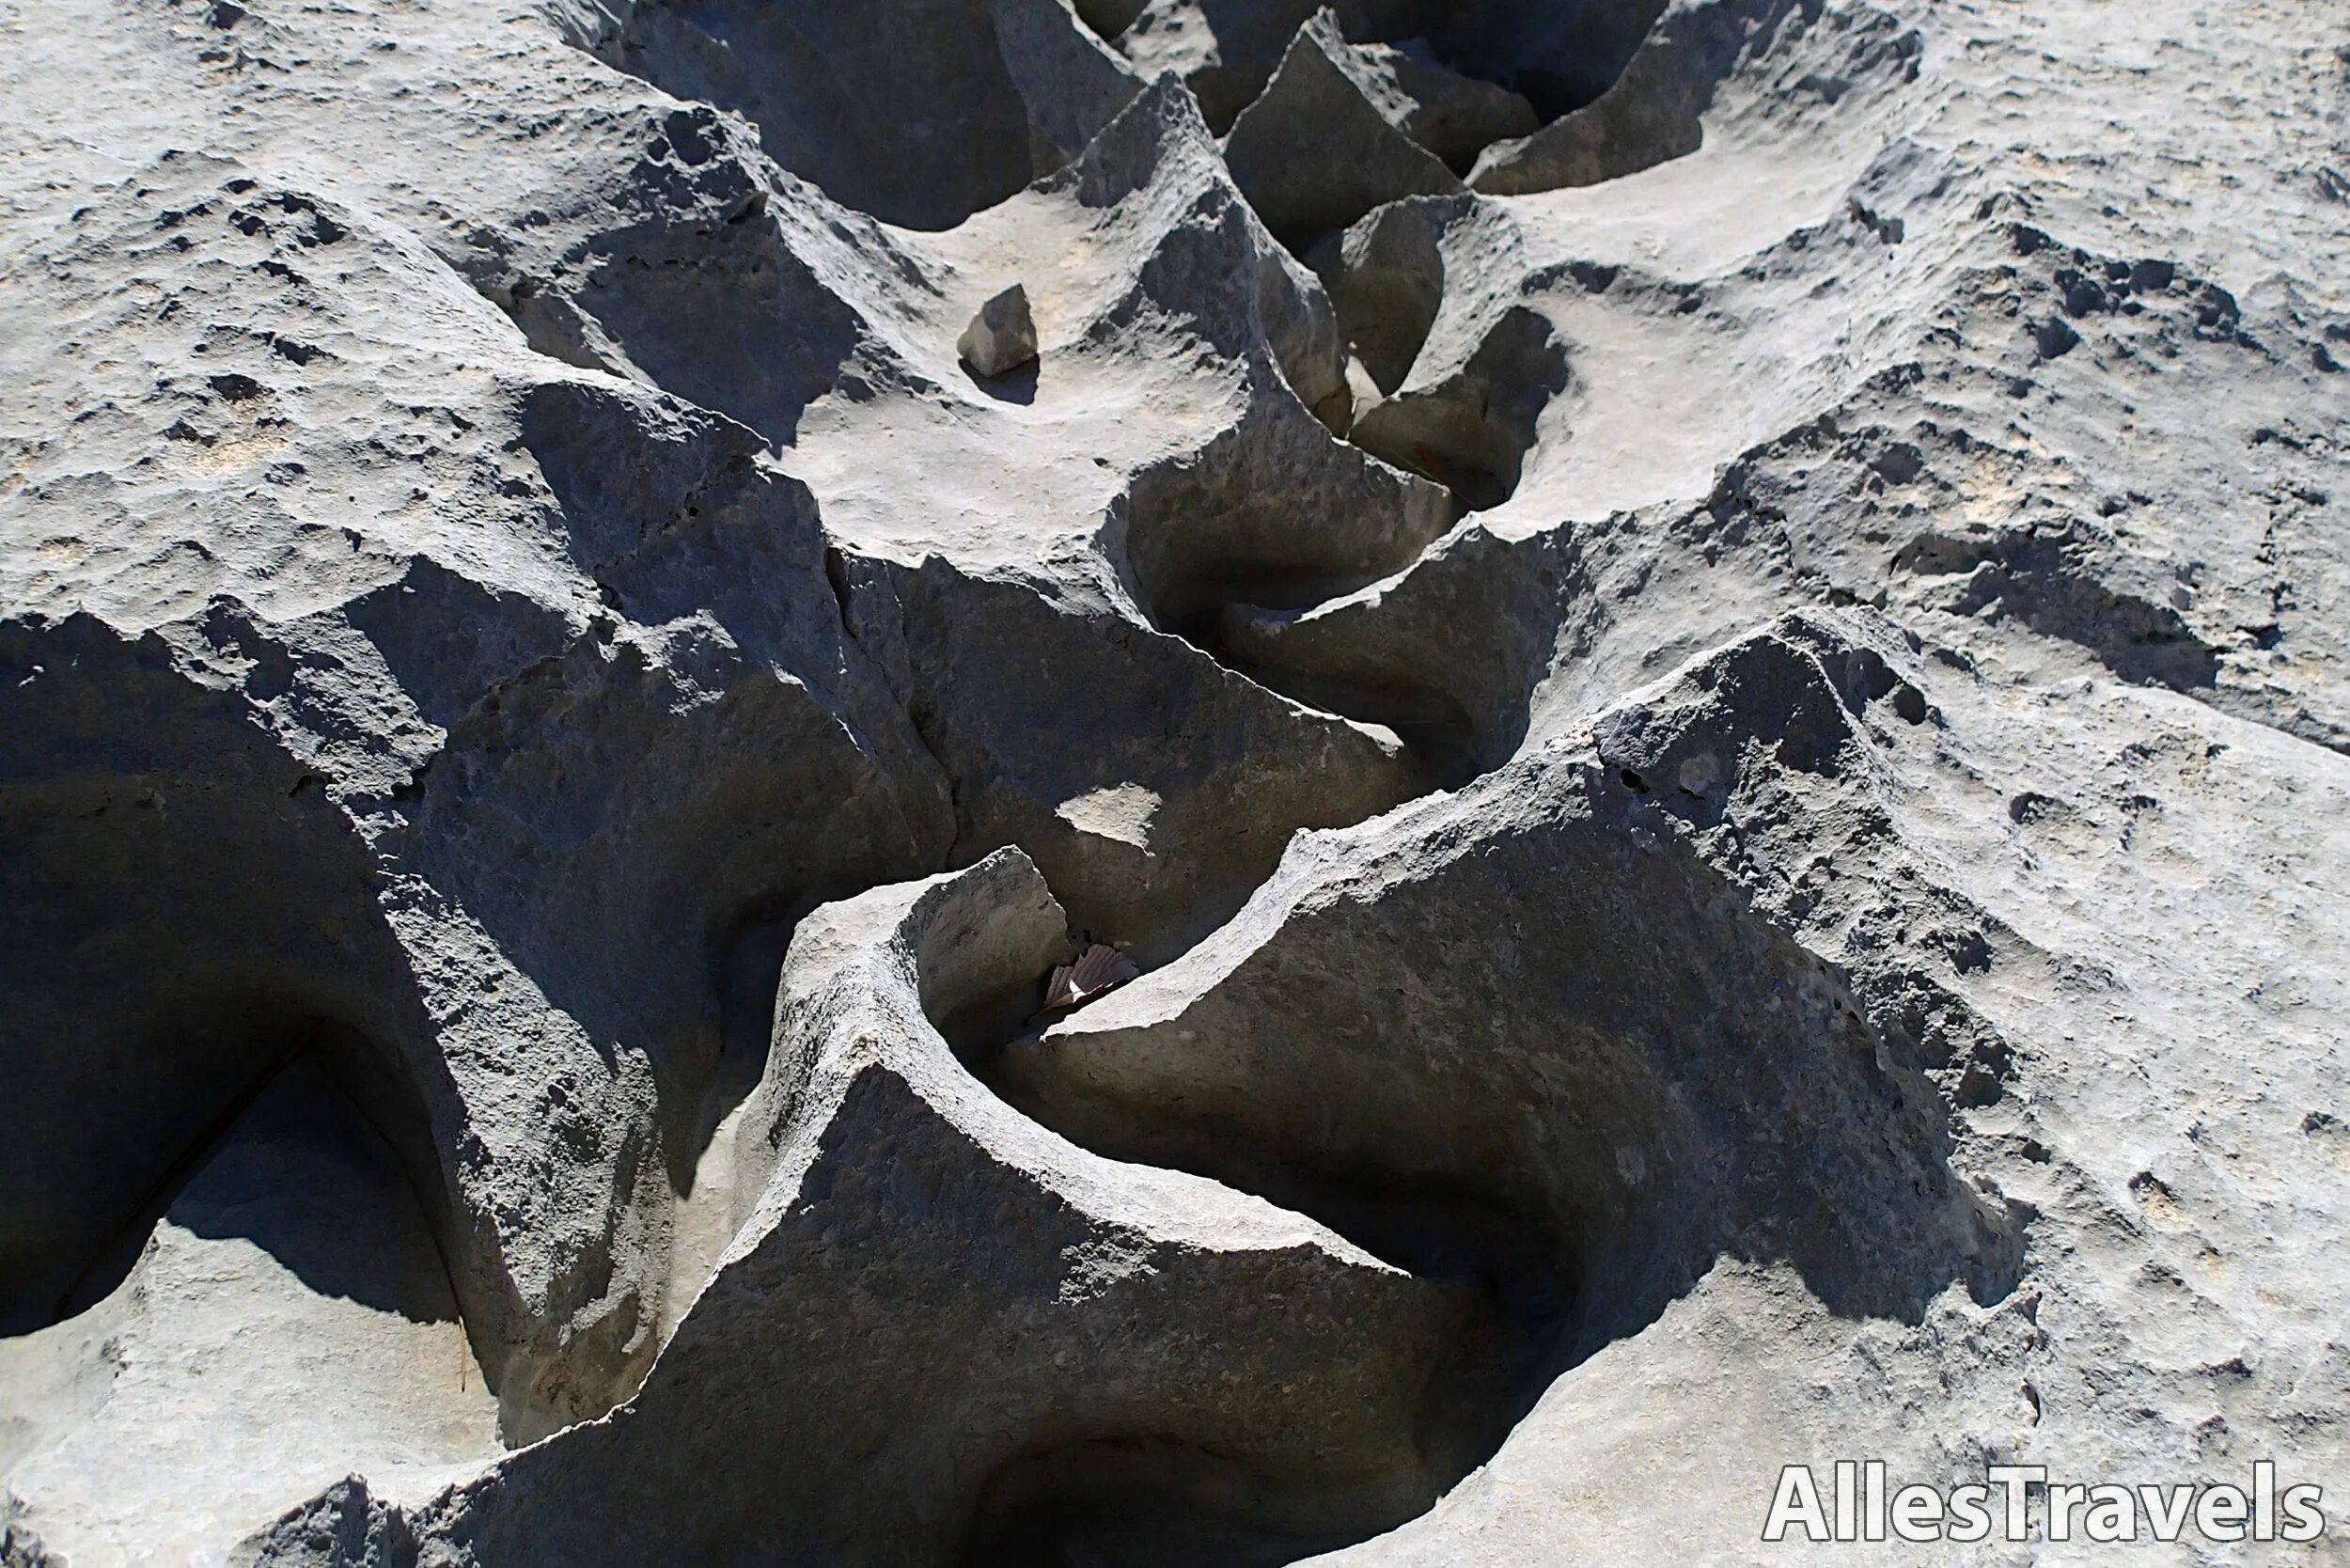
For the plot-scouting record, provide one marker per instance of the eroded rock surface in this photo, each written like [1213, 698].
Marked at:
[1698, 647]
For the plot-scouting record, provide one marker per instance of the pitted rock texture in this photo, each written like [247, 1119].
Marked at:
[1696, 644]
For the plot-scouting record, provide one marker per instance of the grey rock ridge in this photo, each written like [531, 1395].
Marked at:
[1670, 673]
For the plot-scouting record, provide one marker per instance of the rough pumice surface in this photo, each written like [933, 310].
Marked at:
[1698, 646]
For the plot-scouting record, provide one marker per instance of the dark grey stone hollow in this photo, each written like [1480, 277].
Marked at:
[1471, 431]
[1248, 549]
[1272, 513]
[919, 113]
[1385, 277]
[1071, 701]
[150, 837]
[945, 1336]
[1557, 57]
[1551, 1061]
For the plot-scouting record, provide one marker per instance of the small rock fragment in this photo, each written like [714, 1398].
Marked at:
[1002, 337]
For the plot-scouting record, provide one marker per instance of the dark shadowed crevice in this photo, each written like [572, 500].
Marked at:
[1152, 846]
[1145, 1496]
[1273, 516]
[154, 836]
[1460, 406]
[310, 1173]
[1158, 1502]
[1255, 551]
[1565, 1135]
[745, 961]
[919, 113]
[112, 1256]
[1628, 1081]
[905, 112]
[333, 1105]
[1553, 58]
[1385, 277]
[1327, 115]
[1450, 744]
[1471, 431]
[1108, 18]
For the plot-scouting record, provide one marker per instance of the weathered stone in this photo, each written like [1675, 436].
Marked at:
[1322, 147]
[1001, 336]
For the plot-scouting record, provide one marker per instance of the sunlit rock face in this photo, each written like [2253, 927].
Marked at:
[982, 782]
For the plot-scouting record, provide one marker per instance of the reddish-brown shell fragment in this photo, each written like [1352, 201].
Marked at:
[1101, 967]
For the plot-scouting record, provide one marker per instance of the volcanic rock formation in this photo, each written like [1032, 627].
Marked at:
[1676, 668]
